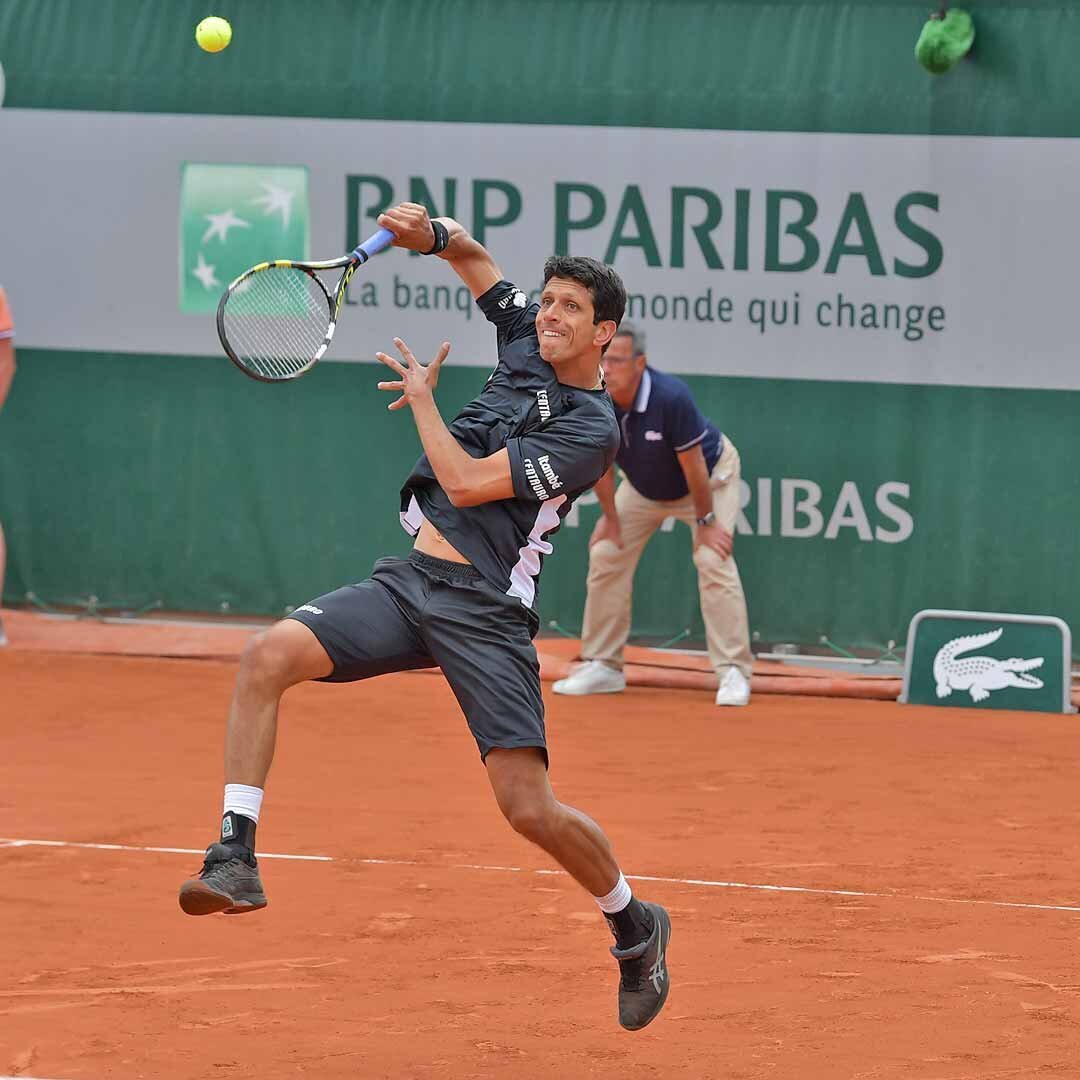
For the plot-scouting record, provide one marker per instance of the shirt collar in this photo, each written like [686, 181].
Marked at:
[641, 398]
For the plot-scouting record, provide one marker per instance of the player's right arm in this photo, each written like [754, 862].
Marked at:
[411, 224]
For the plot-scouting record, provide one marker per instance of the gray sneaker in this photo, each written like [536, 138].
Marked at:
[229, 882]
[644, 982]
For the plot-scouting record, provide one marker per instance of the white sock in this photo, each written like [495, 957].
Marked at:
[617, 899]
[244, 800]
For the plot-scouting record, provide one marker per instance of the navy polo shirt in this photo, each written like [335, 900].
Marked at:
[663, 421]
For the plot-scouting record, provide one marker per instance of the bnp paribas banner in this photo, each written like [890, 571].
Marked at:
[869, 258]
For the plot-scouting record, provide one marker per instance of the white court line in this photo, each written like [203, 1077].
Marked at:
[704, 883]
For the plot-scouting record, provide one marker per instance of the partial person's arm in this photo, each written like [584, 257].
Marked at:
[692, 463]
[608, 526]
[7, 367]
[467, 481]
[412, 226]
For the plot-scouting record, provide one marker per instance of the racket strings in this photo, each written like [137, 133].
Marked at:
[276, 321]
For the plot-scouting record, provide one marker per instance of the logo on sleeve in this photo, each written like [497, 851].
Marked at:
[517, 298]
[550, 473]
[535, 483]
[653, 436]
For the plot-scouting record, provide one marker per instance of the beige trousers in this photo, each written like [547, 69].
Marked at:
[611, 574]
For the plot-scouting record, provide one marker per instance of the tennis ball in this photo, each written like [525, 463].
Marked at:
[213, 34]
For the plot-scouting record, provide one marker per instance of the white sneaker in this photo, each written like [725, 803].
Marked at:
[3, 636]
[593, 677]
[734, 689]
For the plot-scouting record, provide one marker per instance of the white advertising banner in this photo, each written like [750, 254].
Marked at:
[870, 258]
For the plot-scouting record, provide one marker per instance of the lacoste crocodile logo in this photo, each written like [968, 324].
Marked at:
[980, 675]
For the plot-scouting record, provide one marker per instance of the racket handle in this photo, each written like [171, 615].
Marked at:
[373, 245]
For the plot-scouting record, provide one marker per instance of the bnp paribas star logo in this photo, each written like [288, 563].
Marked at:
[233, 216]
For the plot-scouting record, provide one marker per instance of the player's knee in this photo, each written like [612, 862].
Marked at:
[260, 657]
[269, 657]
[531, 818]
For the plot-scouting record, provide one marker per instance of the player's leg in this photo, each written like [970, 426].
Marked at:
[609, 594]
[519, 780]
[482, 640]
[352, 633]
[284, 655]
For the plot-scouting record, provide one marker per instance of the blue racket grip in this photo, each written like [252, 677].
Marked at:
[373, 245]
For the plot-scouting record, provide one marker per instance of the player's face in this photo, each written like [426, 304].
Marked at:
[622, 369]
[564, 323]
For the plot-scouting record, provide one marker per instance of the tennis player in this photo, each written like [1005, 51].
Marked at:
[482, 503]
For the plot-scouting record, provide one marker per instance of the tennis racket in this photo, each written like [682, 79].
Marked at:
[276, 320]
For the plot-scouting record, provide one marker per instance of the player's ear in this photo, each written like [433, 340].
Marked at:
[605, 331]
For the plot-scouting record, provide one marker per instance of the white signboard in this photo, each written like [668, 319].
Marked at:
[879, 258]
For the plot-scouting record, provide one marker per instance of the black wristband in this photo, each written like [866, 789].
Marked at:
[442, 238]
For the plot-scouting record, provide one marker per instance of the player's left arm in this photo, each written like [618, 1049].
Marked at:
[467, 481]
[567, 455]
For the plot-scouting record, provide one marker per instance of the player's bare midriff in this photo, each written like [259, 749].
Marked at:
[432, 542]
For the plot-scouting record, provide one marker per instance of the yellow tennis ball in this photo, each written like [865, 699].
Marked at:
[213, 34]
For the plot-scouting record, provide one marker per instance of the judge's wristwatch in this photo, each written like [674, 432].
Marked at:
[708, 519]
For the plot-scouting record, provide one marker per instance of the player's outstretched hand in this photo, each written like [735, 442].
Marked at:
[415, 380]
[410, 224]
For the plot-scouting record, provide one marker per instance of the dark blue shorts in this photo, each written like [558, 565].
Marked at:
[423, 612]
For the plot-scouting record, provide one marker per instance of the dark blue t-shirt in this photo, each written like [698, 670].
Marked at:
[663, 421]
[560, 441]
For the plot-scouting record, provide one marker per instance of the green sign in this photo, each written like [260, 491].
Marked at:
[233, 216]
[988, 660]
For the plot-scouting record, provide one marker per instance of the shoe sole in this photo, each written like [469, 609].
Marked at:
[196, 898]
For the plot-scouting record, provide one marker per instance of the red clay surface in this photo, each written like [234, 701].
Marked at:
[426, 968]
[206, 640]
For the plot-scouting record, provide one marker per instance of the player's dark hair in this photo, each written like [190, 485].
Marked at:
[604, 284]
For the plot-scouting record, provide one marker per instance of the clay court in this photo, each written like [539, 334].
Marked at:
[858, 889]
